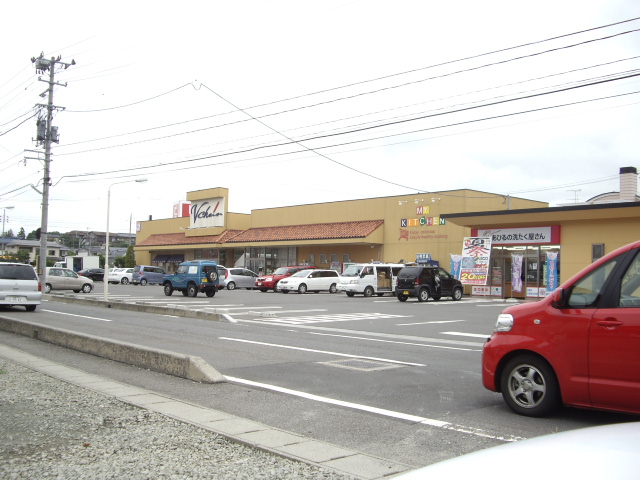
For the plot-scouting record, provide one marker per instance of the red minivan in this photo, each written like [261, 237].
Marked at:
[580, 346]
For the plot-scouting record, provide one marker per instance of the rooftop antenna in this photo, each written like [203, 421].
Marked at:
[575, 195]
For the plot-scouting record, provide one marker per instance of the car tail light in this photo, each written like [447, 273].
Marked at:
[416, 282]
[226, 274]
[39, 286]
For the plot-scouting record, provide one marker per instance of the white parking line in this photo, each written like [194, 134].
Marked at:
[322, 351]
[397, 342]
[428, 323]
[81, 316]
[379, 411]
[461, 334]
[332, 318]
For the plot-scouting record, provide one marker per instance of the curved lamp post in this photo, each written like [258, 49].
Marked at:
[106, 258]
[4, 216]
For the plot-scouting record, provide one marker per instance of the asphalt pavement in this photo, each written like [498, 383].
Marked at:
[242, 432]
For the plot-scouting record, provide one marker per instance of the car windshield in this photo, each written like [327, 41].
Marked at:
[281, 271]
[352, 271]
[302, 273]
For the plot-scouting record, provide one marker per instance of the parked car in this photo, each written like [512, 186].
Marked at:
[604, 451]
[264, 283]
[193, 277]
[232, 278]
[95, 274]
[317, 280]
[144, 274]
[120, 275]
[579, 346]
[19, 285]
[423, 281]
[67, 279]
[369, 279]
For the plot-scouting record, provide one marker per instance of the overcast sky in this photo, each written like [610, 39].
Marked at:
[298, 102]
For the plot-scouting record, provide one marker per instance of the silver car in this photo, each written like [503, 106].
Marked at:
[232, 278]
[19, 285]
[67, 279]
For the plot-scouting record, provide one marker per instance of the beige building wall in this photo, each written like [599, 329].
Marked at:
[579, 237]
[397, 242]
[424, 231]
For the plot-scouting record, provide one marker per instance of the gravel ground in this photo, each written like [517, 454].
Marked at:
[52, 429]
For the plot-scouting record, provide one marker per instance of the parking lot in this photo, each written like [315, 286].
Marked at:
[395, 379]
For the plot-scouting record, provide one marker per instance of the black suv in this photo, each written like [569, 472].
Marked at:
[424, 282]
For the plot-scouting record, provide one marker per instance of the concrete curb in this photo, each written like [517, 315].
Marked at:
[138, 307]
[162, 361]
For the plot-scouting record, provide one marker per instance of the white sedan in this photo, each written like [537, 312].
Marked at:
[120, 275]
[315, 280]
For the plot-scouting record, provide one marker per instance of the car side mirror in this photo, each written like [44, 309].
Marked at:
[559, 298]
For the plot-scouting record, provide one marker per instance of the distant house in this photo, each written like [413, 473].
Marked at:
[92, 240]
[54, 250]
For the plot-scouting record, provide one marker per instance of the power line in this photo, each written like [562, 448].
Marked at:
[130, 104]
[389, 87]
[355, 130]
[453, 61]
[208, 157]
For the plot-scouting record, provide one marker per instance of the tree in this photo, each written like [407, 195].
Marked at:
[33, 235]
[22, 256]
[118, 262]
[129, 258]
[9, 233]
[21, 233]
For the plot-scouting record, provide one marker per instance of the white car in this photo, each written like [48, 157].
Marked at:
[19, 285]
[120, 275]
[606, 451]
[316, 280]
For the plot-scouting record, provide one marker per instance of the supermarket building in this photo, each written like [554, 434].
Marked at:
[398, 229]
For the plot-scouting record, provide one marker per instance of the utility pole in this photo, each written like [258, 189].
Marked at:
[47, 133]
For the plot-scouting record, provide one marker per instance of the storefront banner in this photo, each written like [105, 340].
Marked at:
[516, 273]
[455, 266]
[207, 213]
[521, 235]
[474, 266]
[480, 291]
[552, 271]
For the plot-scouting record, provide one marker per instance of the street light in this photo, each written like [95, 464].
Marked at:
[106, 258]
[4, 216]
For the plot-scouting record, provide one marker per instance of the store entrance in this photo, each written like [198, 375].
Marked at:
[532, 278]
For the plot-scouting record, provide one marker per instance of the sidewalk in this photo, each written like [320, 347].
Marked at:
[336, 462]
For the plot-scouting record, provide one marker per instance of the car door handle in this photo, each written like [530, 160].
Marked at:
[609, 323]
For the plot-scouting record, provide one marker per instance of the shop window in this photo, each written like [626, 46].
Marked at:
[597, 251]
[323, 258]
[346, 258]
[334, 258]
[312, 258]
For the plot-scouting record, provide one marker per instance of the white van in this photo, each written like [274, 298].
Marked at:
[369, 279]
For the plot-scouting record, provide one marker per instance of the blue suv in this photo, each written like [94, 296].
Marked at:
[193, 277]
